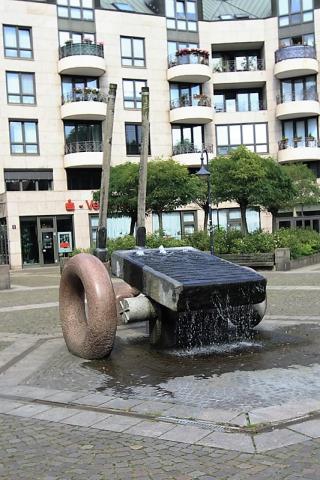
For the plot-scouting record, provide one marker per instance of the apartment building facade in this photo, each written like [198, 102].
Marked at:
[220, 74]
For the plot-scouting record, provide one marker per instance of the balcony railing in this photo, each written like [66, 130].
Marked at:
[200, 100]
[84, 97]
[83, 147]
[174, 60]
[236, 66]
[81, 49]
[294, 51]
[223, 108]
[293, 97]
[186, 147]
[298, 142]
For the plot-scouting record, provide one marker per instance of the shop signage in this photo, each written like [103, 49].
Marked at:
[90, 204]
[69, 206]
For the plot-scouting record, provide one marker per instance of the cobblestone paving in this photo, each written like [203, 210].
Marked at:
[38, 450]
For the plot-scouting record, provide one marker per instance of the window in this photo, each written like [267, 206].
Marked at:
[253, 135]
[187, 138]
[182, 95]
[296, 89]
[17, 42]
[175, 224]
[83, 136]
[133, 139]
[24, 137]
[124, 7]
[306, 39]
[75, 9]
[241, 61]
[293, 12]
[174, 47]
[132, 93]
[24, 180]
[230, 219]
[241, 101]
[21, 87]
[300, 133]
[181, 15]
[117, 226]
[83, 178]
[132, 52]
[76, 37]
[70, 85]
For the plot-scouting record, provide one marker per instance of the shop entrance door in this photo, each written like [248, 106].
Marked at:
[47, 227]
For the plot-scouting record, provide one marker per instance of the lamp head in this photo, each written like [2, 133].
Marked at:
[203, 173]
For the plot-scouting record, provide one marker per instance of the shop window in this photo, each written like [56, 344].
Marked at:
[132, 52]
[117, 226]
[176, 224]
[17, 42]
[230, 218]
[21, 87]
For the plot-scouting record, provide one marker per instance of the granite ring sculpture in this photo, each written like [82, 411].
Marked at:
[88, 328]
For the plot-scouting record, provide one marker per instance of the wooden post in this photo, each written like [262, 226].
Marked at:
[142, 192]
[101, 250]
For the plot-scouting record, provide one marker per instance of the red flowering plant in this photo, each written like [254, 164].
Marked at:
[192, 51]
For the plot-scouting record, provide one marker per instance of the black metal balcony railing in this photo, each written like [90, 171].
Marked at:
[299, 142]
[223, 108]
[293, 97]
[84, 97]
[236, 66]
[174, 60]
[188, 147]
[70, 49]
[294, 51]
[83, 147]
[191, 101]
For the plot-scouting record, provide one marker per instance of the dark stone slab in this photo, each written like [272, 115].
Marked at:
[188, 279]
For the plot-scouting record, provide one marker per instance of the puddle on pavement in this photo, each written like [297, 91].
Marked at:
[134, 363]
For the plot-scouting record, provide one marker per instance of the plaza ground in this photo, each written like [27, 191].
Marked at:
[246, 409]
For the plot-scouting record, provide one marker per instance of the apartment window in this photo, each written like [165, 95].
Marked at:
[132, 52]
[70, 84]
[24, 137]
[174, 47]
[83, 178]
[75, 9]
[76, 37]
[253, 135]
[26, 180]
[293, 12]
[296, 89]
[301, 131]
[83, 133]
[187, 138]
[21, 87]
[306, 39]
[241, 101]
[182, 95]
[133, 139]
[132, 93]
[17, 41]
[237, 61]
[181, 15]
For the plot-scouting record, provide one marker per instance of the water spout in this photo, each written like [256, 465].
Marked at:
[162, 250]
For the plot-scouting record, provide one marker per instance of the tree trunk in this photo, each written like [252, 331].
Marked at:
[132, 223]
[160, 224]
[142, 190]
[244, 226]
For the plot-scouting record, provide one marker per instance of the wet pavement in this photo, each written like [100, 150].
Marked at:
[268, 378]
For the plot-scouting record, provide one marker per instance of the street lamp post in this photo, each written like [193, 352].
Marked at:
[204, 173]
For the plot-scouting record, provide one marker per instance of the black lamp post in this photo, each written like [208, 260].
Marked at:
[204, 174]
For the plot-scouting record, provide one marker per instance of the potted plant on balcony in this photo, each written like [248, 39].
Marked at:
[310, 140]
[88, 41]
[77, 94]
[68, 42]
[284, 142]
[203, 100]
[184, 100]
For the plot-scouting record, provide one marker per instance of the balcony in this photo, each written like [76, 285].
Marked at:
[86, 104]
[295, 61]
[232, 73]
[188, 153]
[187, 109]
[81, 59]
[297, 106]
[83, 154]
[189, 65]
[298, 149]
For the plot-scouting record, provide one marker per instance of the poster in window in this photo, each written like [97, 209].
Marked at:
[64, 242]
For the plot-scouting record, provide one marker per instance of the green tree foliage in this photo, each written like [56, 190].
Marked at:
[305, 184]
[238, 177]
[169, 187]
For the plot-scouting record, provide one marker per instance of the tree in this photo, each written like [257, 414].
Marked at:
[305, 183]
[238, 177]
[169, 187]
[277, 190]
[123, 190]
